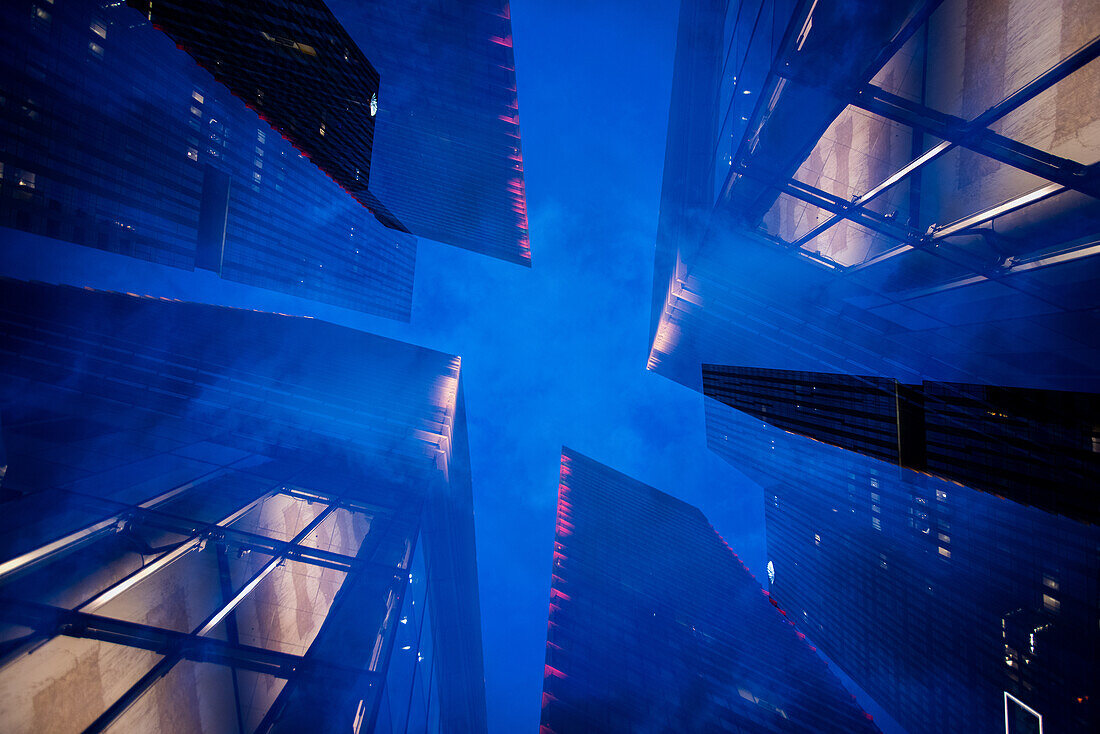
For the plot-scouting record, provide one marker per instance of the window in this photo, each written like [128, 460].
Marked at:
[1051, 603]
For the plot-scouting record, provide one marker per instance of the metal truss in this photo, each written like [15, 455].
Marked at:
[47, 621]
[1061, 173]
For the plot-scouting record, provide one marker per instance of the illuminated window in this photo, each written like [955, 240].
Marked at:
[1050, 582]
[944, 538]
[817, 539]
[1051, 603]
[374, 104]
[26, 180]
[876, 523]
[941, 495]
[197, 96]
[192, 154]
[945, 553]
[95, 49]
[99, 29]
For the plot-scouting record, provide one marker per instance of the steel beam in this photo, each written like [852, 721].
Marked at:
[251, 541]
[1055, 169]
[1040, 84]
[176, 653]
[52, 621]
[831, 203]
[991, 213]
[923, 118]
[94, 531]
[163, 561]
[206, 627]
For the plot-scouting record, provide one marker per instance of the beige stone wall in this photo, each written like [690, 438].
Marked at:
[64, 684]
[979, 52]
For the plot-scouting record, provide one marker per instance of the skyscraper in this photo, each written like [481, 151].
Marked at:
[655, 625]
[222, 520]
[114, 138]
[448, 159]
[294, 64]
[902, 189]
[954, 609]
[1038, 447]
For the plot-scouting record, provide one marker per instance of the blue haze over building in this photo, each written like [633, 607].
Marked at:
[953, 608]
[198, 537]
[656, 625]
[911, 194]
[172, 167]
[554, 354]
[860, 196]
[448, 158]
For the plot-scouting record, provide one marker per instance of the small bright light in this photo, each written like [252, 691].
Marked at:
[407, 647]
[374, 104]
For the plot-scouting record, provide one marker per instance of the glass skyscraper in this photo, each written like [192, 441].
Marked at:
[448, 160]
[1037, 447]
[224, 520]
[956, 610]
[886, 214]
[903, 189]
[114, 138]
[656, 625]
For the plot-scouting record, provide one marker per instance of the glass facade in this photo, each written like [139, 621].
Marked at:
[1037, 447]
[206, 533]
[447, 155]
[844, 223]
[114, 138]
[655, 625]
[171, 167]
[294, 64]
[956, 610]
